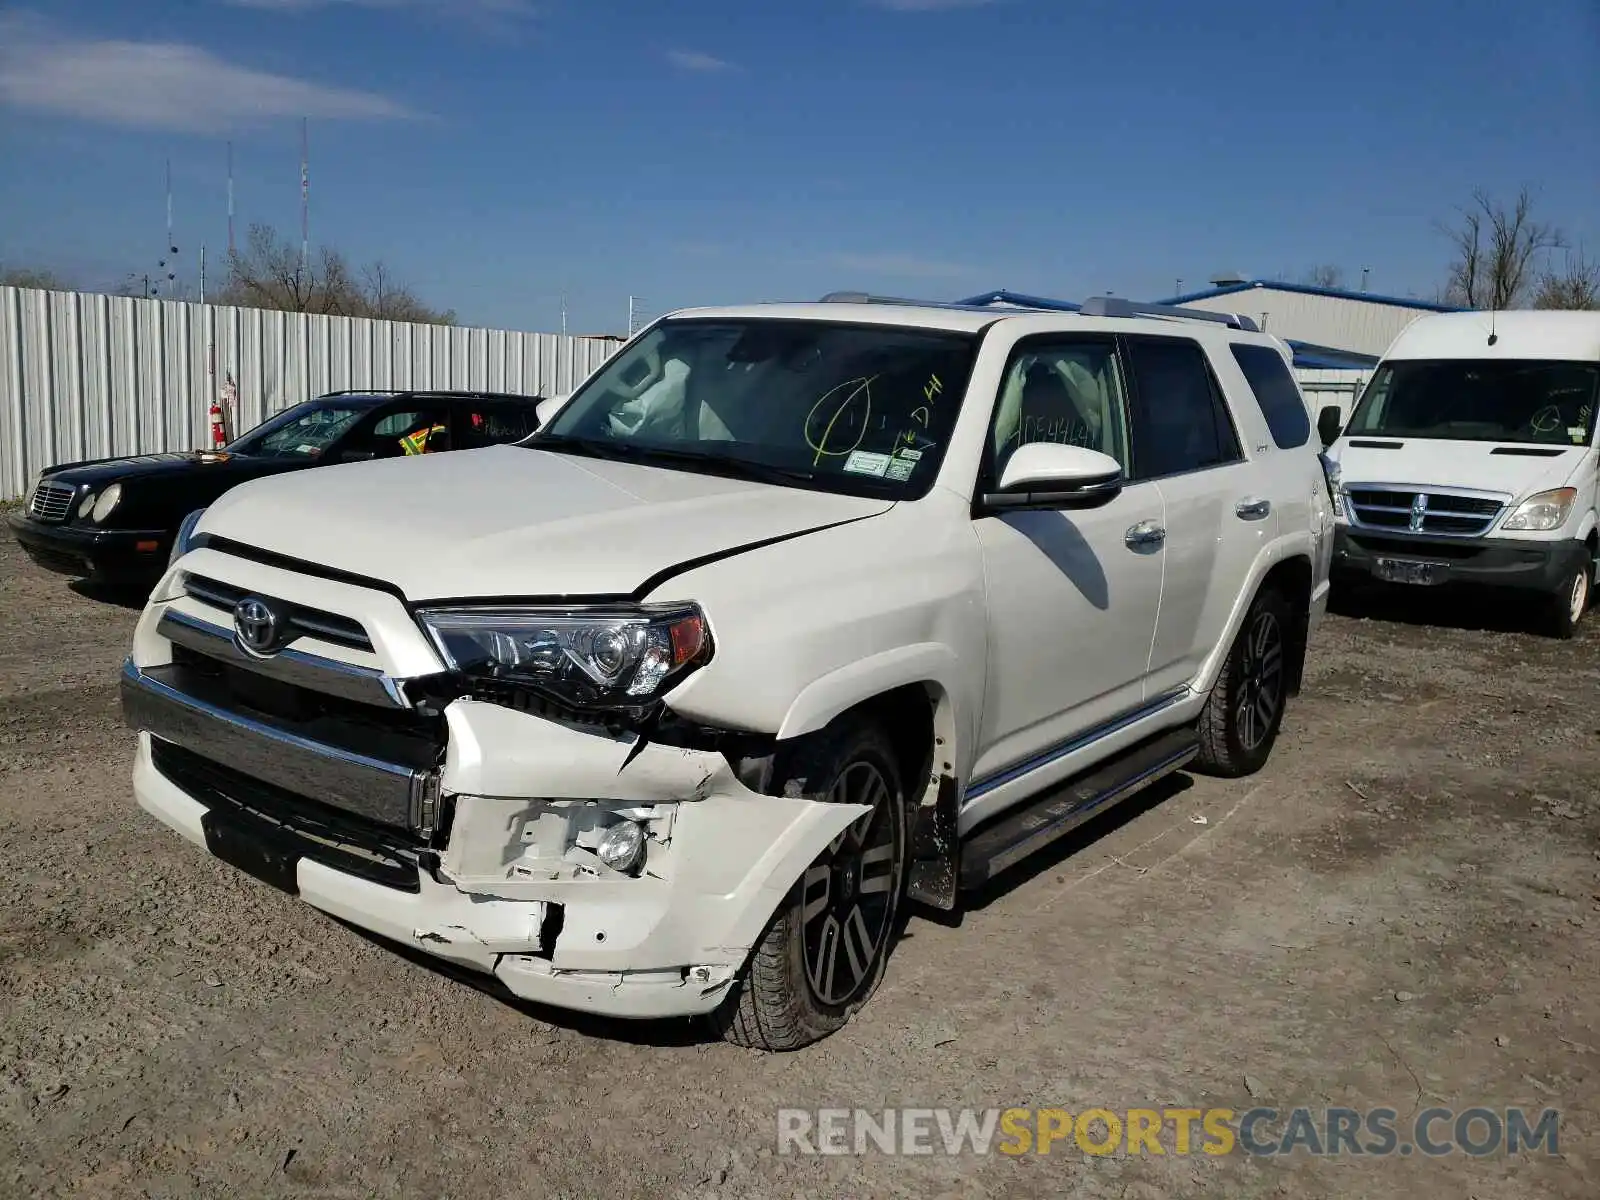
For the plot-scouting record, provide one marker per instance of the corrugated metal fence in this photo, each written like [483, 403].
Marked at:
[1326, 386]
[88, 376]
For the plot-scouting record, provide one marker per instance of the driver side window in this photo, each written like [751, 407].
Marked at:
[1068, 391]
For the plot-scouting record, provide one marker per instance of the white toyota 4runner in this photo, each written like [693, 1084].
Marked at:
[788, 614]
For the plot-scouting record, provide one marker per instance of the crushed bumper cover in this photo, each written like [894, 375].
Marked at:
[666, 943]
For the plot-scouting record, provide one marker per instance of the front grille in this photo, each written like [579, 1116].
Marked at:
[398, 735]
[1443, 513]
[51, 501]
[301, 621]
[326, 835]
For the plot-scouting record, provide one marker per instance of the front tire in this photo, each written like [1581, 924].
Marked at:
[1240, 721]
[1565, 607]
[824, 952]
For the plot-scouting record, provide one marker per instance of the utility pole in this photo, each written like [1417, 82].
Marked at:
[563, 314]
[1364, 271]
[631, 301]
[203, 275]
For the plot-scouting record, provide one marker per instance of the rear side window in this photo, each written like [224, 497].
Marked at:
[1179, 423]
[493, 424]
[1276, 393]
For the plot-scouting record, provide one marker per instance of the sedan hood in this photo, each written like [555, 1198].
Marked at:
[1510, 468]
[511, 521]
[99, 471]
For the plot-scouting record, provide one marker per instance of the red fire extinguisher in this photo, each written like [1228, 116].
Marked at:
[218, 437]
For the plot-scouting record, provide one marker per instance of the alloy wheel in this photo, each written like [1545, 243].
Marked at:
[1261, 682]
[848, 893]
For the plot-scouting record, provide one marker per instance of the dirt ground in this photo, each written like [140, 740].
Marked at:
[1400, 911]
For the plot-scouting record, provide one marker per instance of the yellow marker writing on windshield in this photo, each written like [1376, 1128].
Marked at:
[862, 391]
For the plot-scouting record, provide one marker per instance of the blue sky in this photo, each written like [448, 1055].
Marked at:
[497, 152]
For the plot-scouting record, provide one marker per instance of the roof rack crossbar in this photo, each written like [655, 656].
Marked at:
[1115, 306]
[869, 298]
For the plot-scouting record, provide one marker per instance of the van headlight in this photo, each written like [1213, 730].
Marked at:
[602, 657]
[184, 539]
[1543, 511]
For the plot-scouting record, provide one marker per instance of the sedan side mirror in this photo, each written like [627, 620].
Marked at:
[1330, 423]
[1050, 475]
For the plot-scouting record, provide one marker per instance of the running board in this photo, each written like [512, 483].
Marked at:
[1013, 836]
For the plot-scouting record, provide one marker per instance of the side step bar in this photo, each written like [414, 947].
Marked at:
[1013, 836]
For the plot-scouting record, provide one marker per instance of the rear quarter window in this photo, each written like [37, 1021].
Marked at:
[1276, 394]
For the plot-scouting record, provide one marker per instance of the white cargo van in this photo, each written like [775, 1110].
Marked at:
[1471, 458]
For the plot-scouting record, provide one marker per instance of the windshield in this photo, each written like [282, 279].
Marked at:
[304, 431]
[1513, 400]
[864, 409]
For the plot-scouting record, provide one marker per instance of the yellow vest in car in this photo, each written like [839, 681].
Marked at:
[417, 443]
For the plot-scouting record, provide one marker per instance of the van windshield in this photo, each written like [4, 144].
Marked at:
[1505, 400]
[860, 409]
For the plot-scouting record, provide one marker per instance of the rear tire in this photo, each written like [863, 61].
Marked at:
[824, 952]
[1240, 721]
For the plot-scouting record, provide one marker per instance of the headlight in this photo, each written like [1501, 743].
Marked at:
[586, 657]
[86, 506]
[1543, 510]
[185, 535]
[1331, 476]
[107, 501]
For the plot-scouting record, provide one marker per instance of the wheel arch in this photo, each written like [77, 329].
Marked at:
[1292, 575]
[911, 692]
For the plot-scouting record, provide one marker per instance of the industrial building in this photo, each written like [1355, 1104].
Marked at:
[1354, 326]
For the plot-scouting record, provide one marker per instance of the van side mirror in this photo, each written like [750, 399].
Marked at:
[1330, 423]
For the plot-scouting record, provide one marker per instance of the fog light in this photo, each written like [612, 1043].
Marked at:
[622, 846]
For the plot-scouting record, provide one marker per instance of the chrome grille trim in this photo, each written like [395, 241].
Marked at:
[389, 793]
[302, 622]
[51, 501]
[310, 671]
[1412, 509]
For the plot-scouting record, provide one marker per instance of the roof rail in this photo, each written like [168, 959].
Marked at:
[1115, 306]
[869, 298]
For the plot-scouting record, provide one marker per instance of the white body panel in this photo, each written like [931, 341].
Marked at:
[1031, 633]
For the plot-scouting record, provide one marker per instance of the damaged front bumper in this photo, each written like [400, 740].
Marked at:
[510, 882]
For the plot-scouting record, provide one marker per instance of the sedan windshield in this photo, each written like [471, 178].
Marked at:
[864, 409]
[1477, 400]
[304, 431]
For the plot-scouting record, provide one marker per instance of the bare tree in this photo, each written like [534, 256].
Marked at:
[1498, 250]
[1575, 285]
[33, 277]
[1324, 275]
[271, 273]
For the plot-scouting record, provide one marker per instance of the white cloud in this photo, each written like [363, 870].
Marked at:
[902, 266]
[694, 60]
[928, 5]
[160, 85]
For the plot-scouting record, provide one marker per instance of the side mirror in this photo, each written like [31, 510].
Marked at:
[547, 408]
[1049, 475]
[1330, 423]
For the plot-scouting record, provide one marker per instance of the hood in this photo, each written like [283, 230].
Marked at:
[510, 521]
[100, 471]
[1509, 467]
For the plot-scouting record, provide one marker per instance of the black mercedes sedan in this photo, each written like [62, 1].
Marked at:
[113, 520]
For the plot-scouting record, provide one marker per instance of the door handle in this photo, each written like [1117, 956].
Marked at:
[1145, 533]
[1252, 509]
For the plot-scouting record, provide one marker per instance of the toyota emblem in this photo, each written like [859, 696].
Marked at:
[255, 625]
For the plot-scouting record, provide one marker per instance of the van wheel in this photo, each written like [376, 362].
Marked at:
[1242, 715]
[1565, 607]
[825, 950]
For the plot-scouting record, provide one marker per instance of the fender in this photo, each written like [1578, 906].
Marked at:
[824, 698]
[1586, 526]
[1291, 545]
[933, 840]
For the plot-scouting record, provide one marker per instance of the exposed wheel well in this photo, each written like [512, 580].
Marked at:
[1291, 579]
